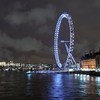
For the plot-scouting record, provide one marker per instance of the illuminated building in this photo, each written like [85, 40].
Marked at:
[88, 64]
[2, 63]
[91, 61]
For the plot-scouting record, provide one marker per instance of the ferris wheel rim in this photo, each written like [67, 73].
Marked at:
[71, 42]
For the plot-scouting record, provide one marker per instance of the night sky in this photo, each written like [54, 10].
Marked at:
[27, 28]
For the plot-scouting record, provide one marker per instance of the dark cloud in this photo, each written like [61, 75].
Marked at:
[9, 46]
[37, 16]
[24, 44]
[27, 27]
[44, 29]
[5, 54]
[80, 47]
[97, 46]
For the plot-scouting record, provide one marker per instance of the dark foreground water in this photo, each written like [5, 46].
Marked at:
[52, 86]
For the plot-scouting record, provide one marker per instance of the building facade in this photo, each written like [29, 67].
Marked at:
[91, 61]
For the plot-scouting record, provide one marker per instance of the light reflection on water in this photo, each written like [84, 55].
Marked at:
[56, 87]
[29, 84]
[49, 86]
[90, 84]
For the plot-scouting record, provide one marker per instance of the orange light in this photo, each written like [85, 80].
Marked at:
[88, 64]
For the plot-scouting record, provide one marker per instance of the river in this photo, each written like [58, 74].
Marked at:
[48, 86]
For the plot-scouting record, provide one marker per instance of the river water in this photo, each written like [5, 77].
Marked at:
[48, 86]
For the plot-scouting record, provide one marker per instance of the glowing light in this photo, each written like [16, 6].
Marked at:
[71, 42]
[29, 76]
[88, 64]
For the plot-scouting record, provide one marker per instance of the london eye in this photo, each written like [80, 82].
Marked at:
[68, 44]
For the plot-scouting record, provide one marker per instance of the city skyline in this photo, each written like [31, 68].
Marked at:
[27, 28]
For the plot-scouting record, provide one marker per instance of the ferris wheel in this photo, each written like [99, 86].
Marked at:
[69, 45]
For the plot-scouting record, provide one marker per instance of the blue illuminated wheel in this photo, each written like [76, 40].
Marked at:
[69, 45]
